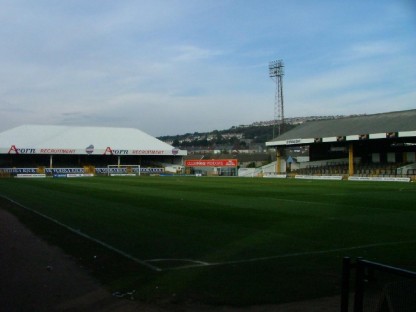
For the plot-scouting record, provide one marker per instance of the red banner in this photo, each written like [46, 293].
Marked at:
[211, 163]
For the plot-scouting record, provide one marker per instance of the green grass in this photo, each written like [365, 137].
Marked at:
[269, 240]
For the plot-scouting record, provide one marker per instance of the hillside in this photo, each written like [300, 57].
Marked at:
[236, 137]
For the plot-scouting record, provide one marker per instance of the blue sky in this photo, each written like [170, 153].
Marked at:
[172, 67]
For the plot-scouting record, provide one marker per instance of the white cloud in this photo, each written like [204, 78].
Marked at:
[177, 66]
[189, 53]
[370, 49]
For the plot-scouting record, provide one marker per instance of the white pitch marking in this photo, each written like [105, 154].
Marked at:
[199, 263]
[181, 260]
[296, 254]
[78, 232]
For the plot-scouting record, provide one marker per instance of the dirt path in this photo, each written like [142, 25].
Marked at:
[35, 276]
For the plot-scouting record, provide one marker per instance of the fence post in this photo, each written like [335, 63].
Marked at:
[345, 287]
[359, 286]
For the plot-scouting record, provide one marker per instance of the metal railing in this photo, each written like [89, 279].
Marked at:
[397, 292]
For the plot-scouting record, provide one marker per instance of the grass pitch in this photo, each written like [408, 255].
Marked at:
[222, 240]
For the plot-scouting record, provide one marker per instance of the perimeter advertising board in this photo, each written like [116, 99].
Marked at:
[211, 163]
[90, 150]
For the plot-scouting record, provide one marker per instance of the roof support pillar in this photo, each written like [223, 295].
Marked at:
[351, 159]
[405, 157]
[279, 153]
[50, 161]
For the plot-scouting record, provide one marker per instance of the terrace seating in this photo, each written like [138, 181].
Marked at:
[365, 170]
[328, 169]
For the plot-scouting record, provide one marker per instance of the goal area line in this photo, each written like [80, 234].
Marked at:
[78, 232]
[199, 263]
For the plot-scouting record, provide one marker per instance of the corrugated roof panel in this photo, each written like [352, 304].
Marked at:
[350, 126]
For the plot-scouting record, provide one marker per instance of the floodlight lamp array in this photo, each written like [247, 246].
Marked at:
[276, 69]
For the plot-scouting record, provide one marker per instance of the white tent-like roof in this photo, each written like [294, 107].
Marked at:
[37, 139]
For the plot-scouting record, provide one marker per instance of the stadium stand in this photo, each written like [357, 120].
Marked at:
[366, 145]
[35, 146]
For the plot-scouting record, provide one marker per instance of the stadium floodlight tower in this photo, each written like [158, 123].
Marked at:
[276, 73]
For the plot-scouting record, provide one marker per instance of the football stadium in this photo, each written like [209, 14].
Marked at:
[378, 146]
[334, 230]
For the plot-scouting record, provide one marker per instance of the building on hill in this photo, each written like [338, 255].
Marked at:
[380, 143]
[66, 146]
